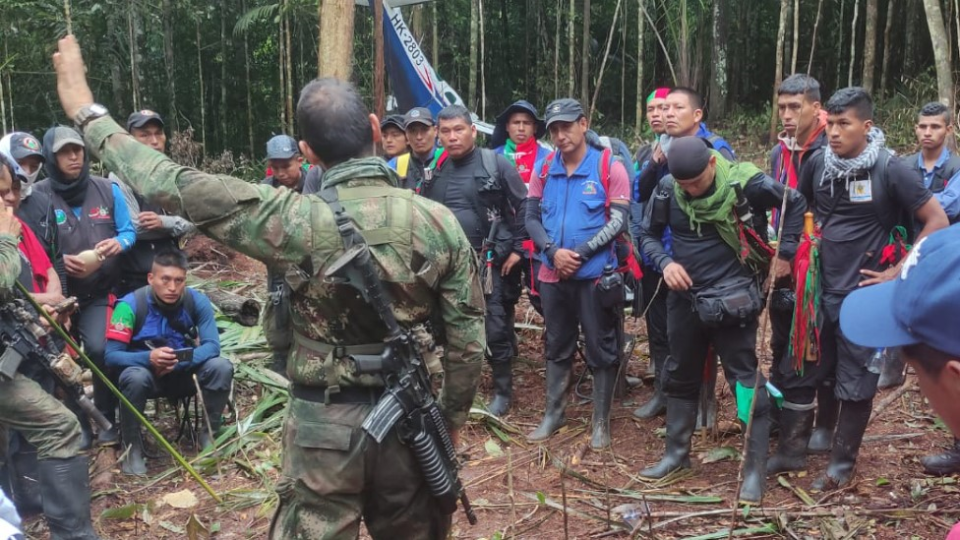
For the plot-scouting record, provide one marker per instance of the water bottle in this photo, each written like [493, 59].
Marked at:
[876, 361]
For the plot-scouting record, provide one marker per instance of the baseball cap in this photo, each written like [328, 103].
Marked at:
[396, 120]
[141, 118]
[24, 145]
[419, 115]
[564, 110]
[62, 136]
[282, 147]
[919, 306]
[688, 157]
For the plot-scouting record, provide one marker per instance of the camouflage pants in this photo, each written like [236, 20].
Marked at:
[276, 321]
[336, 475]
[42, 420]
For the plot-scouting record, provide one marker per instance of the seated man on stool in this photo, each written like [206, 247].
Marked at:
[159, 337]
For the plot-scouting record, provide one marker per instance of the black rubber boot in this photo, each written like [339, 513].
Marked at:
[23, 478]
[893, 372]
[558, 382]
[502, 388]
[681, 418]
[827, 409]
[657, 404]
[603, 383]
[133, 461]
[279, 363]
[851, 424]
[65, 487]
[755, 461]
[945, 463]
[214, 401]
[791, 455]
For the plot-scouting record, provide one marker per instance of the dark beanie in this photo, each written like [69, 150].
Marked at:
[687, 157]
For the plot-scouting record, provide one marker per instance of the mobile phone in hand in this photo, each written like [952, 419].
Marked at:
[184, 355]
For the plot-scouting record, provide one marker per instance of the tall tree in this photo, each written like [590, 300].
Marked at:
[796, 36]
[887, 46]
[132, 43]
[224, 47]
[247, 85]
[869, 45]
[718, 60]
[585, 56]
[571, 41]
[335, 52]
[474, 49]
[684, 45]
[638, 126]
[853, 42]
[168, 64]
[778, 74]
[938, 38]
[813, 38]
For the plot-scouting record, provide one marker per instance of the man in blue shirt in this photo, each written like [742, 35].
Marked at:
[159, 337]
[939, 166]
[94, 227]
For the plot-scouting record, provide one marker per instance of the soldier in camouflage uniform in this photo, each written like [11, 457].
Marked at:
[335, 474]
[42, 420]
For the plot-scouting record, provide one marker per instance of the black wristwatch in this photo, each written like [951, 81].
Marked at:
[88, 113]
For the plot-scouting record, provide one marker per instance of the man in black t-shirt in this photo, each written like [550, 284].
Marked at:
[858, 194]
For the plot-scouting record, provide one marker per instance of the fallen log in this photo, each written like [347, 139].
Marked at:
[245, 311]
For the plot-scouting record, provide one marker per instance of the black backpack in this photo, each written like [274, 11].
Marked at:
[140, 295]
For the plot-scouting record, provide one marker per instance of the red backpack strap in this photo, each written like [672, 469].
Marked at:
[441, 160]
[606, 162]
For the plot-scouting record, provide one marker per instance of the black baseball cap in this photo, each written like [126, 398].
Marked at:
[688, 157]
[396, 120]
[420, 115]
[140, 119]
[24, 145]
[564, 110]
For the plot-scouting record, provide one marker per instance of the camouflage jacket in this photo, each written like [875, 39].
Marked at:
[10, 262]
[424, 258]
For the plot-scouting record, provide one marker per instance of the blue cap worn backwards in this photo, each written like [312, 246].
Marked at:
[922, 305]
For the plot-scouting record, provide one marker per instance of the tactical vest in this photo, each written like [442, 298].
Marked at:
[139, 258]
[941, 176]
[573, 209]
[95, 224]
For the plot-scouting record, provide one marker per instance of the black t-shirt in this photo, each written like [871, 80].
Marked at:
[853, 235]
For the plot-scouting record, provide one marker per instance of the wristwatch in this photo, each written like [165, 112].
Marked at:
[88, 113]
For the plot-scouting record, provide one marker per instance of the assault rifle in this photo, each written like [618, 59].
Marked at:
[408, 402]
[24, 338]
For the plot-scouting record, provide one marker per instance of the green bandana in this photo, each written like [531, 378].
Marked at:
[368, 167]
[717, 208]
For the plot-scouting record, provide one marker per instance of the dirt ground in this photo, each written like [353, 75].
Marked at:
[519, 491]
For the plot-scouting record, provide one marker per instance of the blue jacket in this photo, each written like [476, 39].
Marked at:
[121, 355]
[573, 209]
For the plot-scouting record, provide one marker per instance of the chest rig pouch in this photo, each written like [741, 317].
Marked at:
[732, 302]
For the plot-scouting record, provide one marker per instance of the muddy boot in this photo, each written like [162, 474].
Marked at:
[791, 455]
[214, 401]
[681, 417]
[65, 488]
[603, 383]
[827, 410]
[755, 461]
[23, 477]
[893, 370]
[133, 462]
[502, 388]
[658, 402]
[558, 382]
[945, 463]
[851, 424]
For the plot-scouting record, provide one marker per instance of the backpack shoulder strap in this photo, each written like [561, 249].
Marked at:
[140, 309]
[546, 166]
[606, 163]
[488, 160]
[882, 204]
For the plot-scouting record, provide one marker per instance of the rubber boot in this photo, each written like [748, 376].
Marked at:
[133, 462]
[893, 371]
[945, 463]
[65, 488]
[603, 383]
[558, 382]
[502, 388]
[851, 424]
[23, 478]
[791, 455]
[657, 404]
[827, 409]
[755, 461]
[214, 401]
[681, 418]
[107, 404]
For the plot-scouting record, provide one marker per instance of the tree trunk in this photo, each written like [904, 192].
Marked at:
[556, 52]
[224, 47]
[3, 106]
[853, 42]
[203, 108]
[245, 311]
[336, 39]
[416, 22]
[585, 57]
[718, 82]
[246, 67]
[483, 63]
[603, 63]
[870, 46]
[839, 52]
[436, 37]
[169, 65]
[938, 38]
[887, 46]
[684, 46]
[813, 38]
[641, 105]
[285, 121]
[292, 122]
[778, 75]
[68, 16]
[796, 36]
[956, 19]
[132, 43]
[378, 66]
[474, 49]
[116, 77]
[623, 63]
[571, 41]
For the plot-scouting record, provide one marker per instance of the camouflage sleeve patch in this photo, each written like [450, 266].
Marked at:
[121, 323]
[9, 262]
